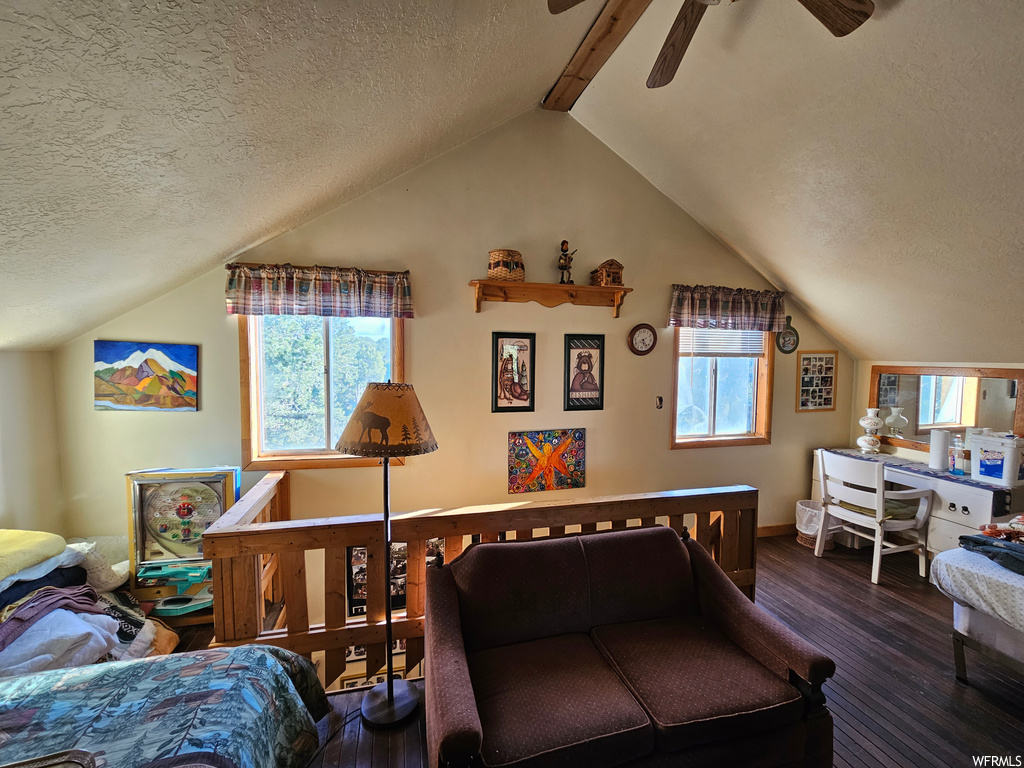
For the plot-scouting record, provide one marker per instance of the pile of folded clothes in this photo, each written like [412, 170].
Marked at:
[1010, 531]
[64, 605]
[1002, 543]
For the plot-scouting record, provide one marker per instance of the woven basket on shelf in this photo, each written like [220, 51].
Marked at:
[506, 264]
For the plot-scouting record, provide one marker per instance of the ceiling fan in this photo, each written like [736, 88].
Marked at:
[840, 17]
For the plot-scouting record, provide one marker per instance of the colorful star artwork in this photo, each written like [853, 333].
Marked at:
[548, 460]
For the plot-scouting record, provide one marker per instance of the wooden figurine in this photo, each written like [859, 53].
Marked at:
[607, 273]
[565, 264]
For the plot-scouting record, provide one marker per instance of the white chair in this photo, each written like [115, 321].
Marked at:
[853, 491]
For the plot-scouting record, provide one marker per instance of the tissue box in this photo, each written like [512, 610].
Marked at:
[998, 460]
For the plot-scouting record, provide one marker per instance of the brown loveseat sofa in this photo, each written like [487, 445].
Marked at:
[616, 648]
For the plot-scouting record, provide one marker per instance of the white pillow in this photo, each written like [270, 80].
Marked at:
[100, 575]
[113, 548]
[65, 559]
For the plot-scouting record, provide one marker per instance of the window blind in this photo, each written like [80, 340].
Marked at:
[711, 342]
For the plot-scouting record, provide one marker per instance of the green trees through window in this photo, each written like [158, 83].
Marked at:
[312, 372]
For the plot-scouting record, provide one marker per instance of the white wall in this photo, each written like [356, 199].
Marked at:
[30, 473]
[995, 406]
[525, 185]
[99, 447]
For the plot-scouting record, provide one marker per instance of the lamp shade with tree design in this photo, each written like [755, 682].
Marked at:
[388, 421]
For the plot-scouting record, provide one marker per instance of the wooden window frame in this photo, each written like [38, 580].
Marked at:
[762, 408]
[252, 410]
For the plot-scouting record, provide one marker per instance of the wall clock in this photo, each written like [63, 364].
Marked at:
[788, 340]
[641, 339]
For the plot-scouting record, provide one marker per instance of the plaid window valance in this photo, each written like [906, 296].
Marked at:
[281, 289]
[728, 309]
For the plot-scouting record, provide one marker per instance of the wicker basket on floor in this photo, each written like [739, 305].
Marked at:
[806, 510]
[812, 540]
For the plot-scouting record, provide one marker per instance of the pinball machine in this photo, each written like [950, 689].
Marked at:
[169, 511]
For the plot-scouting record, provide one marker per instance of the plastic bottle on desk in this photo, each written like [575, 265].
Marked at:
[956, 455]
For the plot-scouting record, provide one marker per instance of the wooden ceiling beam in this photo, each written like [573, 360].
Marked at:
[616, 19]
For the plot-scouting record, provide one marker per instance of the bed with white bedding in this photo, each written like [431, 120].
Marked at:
[988, 607]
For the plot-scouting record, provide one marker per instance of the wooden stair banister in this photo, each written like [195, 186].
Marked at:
[258, 548]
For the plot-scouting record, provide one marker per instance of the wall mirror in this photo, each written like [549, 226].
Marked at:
[950, 398]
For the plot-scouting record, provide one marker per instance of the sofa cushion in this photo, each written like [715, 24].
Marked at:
[638, 574]
[780, 748]
[555, 702]
[512, 593]
[696, 685]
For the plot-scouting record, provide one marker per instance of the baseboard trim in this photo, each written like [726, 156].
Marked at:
[788, 529]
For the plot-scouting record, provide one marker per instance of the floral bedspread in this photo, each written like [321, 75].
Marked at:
[249, 707]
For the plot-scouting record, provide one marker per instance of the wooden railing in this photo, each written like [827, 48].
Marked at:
[243, 586]
[258, 556]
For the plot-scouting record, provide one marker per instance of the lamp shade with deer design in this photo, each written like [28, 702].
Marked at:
[388, 421]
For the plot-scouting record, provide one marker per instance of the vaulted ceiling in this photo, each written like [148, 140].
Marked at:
[877, 177]
[143, 143]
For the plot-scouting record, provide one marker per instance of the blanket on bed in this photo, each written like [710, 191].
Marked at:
[248, 707]
[1009, 554]
[975, 581]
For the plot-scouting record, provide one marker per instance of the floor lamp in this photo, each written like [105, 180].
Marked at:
[391, 413]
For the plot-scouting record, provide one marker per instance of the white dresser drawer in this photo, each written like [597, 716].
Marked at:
[943, 535]
[961, 505]
[908, 479]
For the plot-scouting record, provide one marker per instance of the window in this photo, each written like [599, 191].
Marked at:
[723, 388]
[303, 378]
[947, 401]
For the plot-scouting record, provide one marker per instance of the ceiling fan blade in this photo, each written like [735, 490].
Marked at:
[678, 39]
[840, 17]
[557, 6]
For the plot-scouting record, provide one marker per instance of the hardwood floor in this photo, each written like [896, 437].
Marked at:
[353, 745]
[194, 638]
[894, 698]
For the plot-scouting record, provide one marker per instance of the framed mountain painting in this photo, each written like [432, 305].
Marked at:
[144, 376]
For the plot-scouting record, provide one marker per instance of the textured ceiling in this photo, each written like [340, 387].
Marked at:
[143, 143]
[878, 177]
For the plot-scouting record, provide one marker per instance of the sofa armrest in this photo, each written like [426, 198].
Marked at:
[454, 735]
[758, 633]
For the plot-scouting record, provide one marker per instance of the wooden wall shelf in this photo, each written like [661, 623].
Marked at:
[550, 294]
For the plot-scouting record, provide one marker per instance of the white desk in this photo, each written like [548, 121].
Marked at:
[960, 505]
